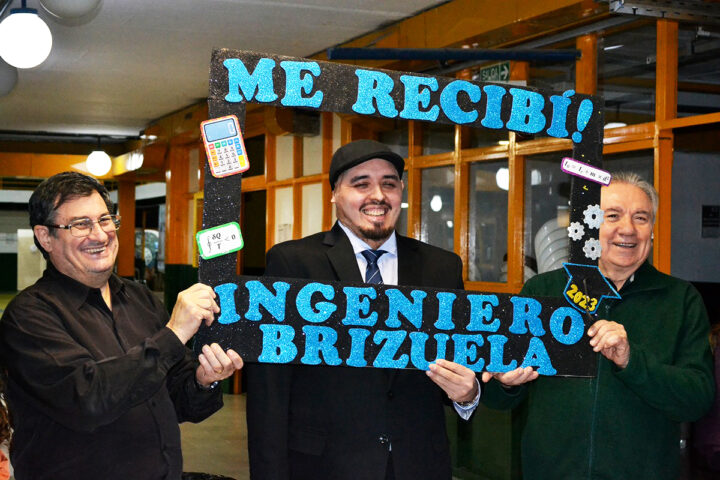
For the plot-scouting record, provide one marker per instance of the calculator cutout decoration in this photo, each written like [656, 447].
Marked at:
[224, 146]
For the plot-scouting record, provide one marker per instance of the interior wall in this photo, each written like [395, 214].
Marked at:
[694, 184]
[12, 218]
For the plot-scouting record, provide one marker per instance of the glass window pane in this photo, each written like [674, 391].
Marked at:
[547, 197]
[487, 222]
[437, 138]
[312, 154]
[485, 137]
[438, 207]
[626, 74]
[641, 162]
[253, 231]
[698, 66]
[396, 139]
[255, 147]
[311, 214]
[283, 214]
[402, 224]
[284, 159]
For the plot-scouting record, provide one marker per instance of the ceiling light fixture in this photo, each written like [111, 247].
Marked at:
[98, 162]
[69, 9]
[25, 39]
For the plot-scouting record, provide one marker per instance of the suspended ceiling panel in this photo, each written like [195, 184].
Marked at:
[138, 60]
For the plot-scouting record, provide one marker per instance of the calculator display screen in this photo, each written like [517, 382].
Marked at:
[218, 130]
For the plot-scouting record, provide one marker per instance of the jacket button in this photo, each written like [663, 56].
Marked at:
[383, 439]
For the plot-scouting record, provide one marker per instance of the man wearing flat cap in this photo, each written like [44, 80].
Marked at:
[318, 422]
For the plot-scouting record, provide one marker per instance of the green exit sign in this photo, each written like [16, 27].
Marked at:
[498, 72]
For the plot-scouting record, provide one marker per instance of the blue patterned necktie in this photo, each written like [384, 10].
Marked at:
[372, 272]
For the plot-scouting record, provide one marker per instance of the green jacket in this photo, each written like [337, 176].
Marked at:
[622, 424]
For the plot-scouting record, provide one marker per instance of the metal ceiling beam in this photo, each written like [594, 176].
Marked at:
[446, 54]
[545, 41]
[29, 136]
[689, 10]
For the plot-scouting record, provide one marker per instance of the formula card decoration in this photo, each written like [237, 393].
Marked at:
[583, 170]
[224, 146]
[219, 240]
[306, 322]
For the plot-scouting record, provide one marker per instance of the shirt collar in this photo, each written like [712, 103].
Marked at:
[390, 245]
[76, 293]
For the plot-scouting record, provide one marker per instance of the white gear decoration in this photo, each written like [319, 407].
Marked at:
[593, 216]
[592, 249]
[576, 231]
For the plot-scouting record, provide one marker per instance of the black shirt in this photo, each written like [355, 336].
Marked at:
[94, 393]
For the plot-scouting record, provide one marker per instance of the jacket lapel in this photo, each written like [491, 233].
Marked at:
[341, 255]
[409, 265]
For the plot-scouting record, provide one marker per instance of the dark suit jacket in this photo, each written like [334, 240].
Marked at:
[316, 422]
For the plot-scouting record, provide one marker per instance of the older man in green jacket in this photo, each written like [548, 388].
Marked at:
[654, 371]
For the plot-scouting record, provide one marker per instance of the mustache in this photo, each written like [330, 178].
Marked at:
[379, 203]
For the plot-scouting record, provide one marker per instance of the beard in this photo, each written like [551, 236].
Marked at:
[378, 232]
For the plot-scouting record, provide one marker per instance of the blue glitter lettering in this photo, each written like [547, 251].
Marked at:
[226, 294]
[497, 354]
[399, 303]
[320, 339]
[417, 350]
[526, 114]
[258, 294]
[481, 311]
[296, 84]
[358, 336]
[358, 301]
[557, 322]
[537, 356]
[445, 305]
[559, 117]
[277, 344]
[392, 342]
[494, 95]
[441, 339]
[417, 95]
[526, 313]
[449, 101]
[260, 80]
[377, 86]
[584, 113]
[322, 310]
[467, 352]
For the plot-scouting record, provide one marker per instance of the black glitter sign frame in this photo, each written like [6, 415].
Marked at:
[238, 77]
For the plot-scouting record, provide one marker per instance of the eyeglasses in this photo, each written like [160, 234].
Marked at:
[84, 226]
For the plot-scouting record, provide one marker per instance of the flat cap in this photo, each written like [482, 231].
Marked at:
[359, 151]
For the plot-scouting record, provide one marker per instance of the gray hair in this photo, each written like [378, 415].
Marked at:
[634, 179]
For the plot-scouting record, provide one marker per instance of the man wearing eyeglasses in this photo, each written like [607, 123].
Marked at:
[98, 375]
